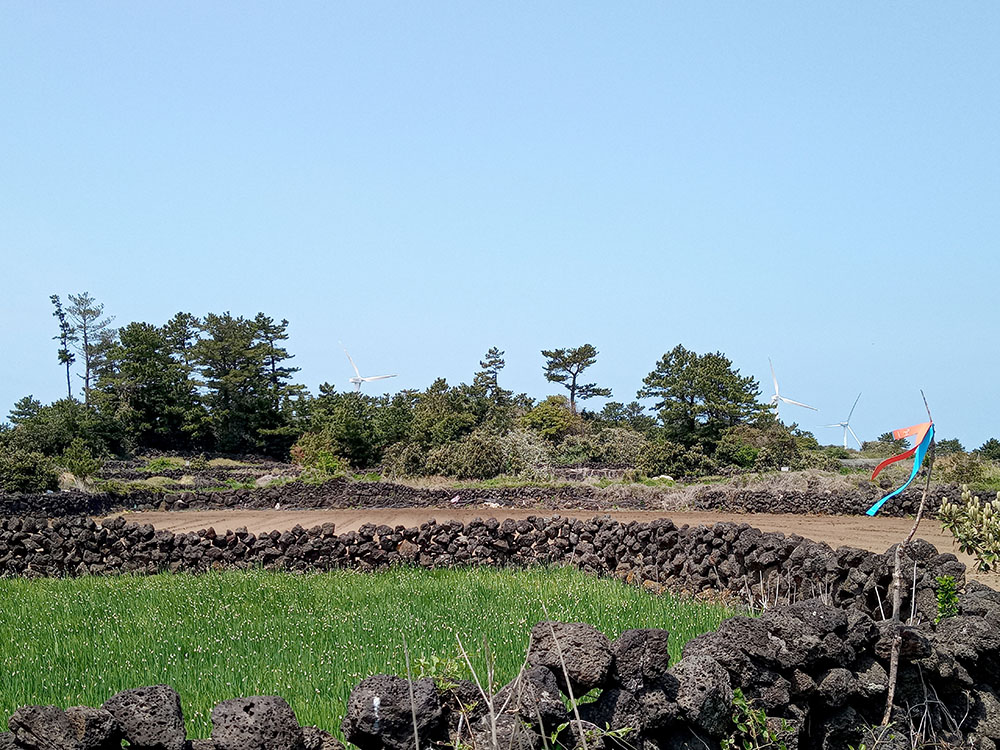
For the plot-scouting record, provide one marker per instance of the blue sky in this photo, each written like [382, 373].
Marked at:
[817, 184]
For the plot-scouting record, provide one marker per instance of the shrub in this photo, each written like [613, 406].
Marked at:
[552, 419]
[959, 468]
[947, 598]
[404, 459]
[620, 446]
[574, 450]
[476, 456]
[975, 526]
[26, 471]
[525, 454]
[665, 457]
[315, 450]
[78, 460]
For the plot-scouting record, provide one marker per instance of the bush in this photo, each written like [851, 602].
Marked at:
[78, 460]
[525, 454]
[959, 468]
[404, 459]
[476, 456]
[665, 457]
[316, 451]
[620, 446]
[575, 450]
[26, 471]
[552, 419]
[975, 526]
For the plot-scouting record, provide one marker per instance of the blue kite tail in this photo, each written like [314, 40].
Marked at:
[918, 459]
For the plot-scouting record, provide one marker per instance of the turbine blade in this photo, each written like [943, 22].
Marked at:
[797, 403]
[852, 408]
[839, 424]
[352, 362]
[855, 438]
[773, 376]
[378, 377]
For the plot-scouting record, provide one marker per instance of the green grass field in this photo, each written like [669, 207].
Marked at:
[307, 638]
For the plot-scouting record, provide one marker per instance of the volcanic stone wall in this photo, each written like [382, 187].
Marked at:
[343, 493]
[765, 568]
[819, 673]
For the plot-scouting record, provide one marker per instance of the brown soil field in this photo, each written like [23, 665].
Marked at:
[875, 534]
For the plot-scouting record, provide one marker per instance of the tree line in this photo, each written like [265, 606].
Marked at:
[224, 383]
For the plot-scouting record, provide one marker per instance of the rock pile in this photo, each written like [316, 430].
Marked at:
[150, 718]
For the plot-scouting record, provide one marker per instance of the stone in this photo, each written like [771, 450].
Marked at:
[614, 708]
[43, 728]
[836, 686]
[314, 738]
[704, 693]
[380, 714]
[96, 728]
[575, 650]
[641, 658]
[534, 696]
[263, 722]
[7, 741]
[149, 717]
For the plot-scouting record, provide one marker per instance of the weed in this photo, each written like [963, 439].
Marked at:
[947, 598]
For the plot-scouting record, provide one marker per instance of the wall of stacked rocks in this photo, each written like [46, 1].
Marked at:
[344, 493]
[761, 567]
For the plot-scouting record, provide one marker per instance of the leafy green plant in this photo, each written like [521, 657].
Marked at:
[445, 671]
[976, 527]
[79, 461]
[26, 471]
[163, 463]
[316, 451]
[752, 730]
[947, 598]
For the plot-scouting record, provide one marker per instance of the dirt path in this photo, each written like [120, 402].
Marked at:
[875, 534]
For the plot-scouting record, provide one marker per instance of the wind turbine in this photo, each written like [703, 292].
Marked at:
[846, 424]
[777, 397]
[359, 380]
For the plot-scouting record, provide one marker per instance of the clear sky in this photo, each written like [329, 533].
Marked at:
[817, 183]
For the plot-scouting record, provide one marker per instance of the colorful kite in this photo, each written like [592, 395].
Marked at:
[924, 434]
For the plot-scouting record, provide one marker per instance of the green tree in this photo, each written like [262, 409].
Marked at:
[65, 338]
[552, 419]
[990, 449]
[181, 332]
[566, 365]
[947, 447]
[442, 414]
[630, 416]
[88, 328]
[150, 393]
[698, 396]
[269, 334]
[50, 429]
[253, 405]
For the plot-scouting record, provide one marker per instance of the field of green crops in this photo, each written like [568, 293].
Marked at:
[307, 638]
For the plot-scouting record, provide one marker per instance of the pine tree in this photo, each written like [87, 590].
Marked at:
[65, 338]
[89, 330]
[565, 366]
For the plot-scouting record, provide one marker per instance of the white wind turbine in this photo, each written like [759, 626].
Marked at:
[846, 424]
[359, 380]
[777, 397]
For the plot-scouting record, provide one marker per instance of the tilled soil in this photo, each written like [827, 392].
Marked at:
[875, 534]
